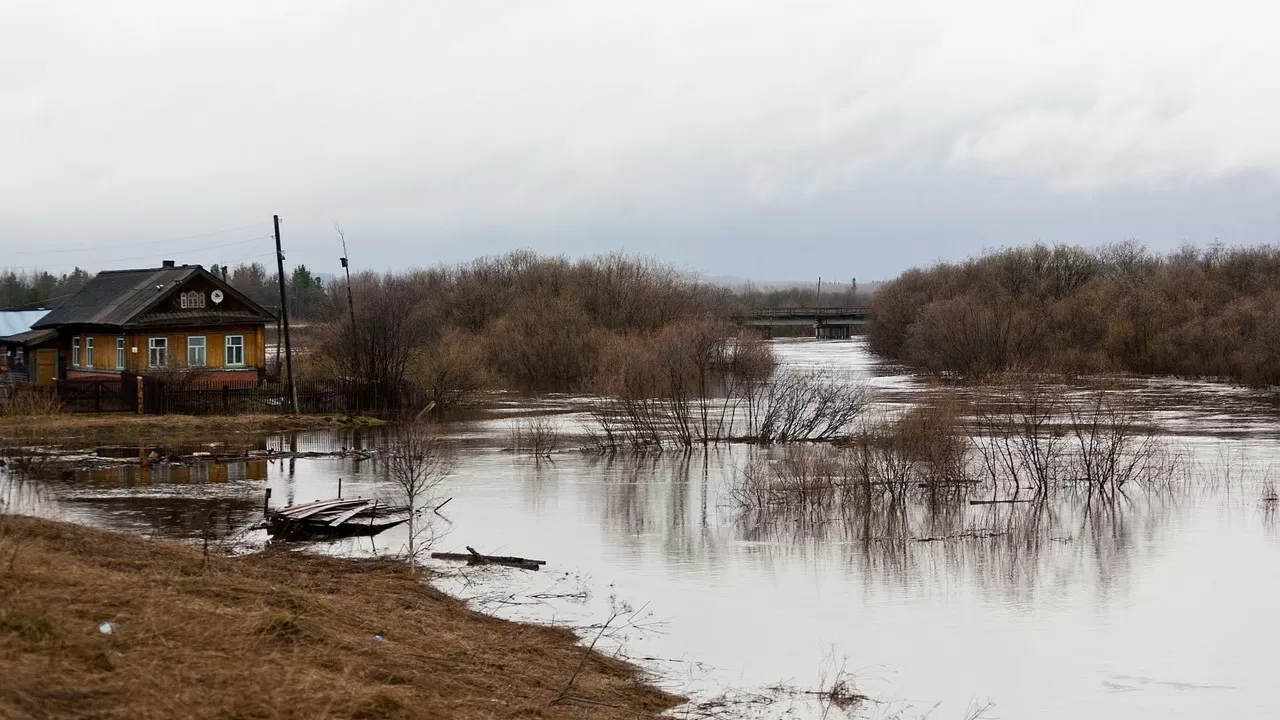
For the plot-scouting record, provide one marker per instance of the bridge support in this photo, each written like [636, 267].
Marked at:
[832, 332]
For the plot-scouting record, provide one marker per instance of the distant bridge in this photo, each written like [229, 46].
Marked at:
[827, 322]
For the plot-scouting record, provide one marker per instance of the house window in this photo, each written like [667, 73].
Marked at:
[235, 350]
[119, 353]
[157, 352]
[75, 352]
[191, 300]
[88, 352]
[195, 351]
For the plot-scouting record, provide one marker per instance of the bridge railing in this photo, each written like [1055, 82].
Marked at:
[806, 312]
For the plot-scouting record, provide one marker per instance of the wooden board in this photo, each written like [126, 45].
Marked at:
[348, 514]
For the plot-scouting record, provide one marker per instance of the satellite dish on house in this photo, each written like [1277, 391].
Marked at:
[216, 296]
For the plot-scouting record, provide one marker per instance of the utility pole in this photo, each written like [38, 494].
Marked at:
[351, 306]
[284, 316]
[818, 301]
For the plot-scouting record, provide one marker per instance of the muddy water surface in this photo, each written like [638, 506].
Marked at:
[1163, 605]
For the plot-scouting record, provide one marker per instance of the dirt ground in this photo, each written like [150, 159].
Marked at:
[278, 634]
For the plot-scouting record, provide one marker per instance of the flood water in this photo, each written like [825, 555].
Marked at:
[1163, 605]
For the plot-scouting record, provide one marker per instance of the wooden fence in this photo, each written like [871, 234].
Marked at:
[159, 396]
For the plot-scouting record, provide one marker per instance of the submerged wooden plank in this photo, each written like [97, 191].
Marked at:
[299, 512]
[474, 558]
[348, 514]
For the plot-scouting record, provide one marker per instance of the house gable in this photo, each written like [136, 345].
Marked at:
[152, 298]
[191, 303]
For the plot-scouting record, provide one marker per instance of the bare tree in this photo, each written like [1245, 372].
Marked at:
[417, 463]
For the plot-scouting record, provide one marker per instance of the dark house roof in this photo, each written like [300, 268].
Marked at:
[30, 337]
[116, 298]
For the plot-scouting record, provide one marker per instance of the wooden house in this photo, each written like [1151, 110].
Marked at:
[174, 318]
[16, 338]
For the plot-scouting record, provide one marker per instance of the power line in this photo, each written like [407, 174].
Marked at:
[145, 257]
[199, 249]
[139, 244]
[41, 302]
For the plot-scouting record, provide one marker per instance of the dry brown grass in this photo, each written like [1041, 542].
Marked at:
[161, 427]
[26, 401]
[272, 635]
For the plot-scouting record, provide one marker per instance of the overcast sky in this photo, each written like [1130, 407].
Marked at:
[770, 140]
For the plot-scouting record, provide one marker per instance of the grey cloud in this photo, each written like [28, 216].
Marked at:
[715, 134]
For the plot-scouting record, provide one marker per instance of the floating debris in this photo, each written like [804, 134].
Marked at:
[472, 557]
[332, 519]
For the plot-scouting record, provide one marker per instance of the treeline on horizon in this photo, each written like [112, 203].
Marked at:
[305, 291]
[1208, 313]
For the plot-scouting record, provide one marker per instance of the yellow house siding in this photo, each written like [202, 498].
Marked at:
[104, 349]
[215, 346]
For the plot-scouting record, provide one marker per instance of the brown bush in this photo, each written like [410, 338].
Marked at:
[1195, 312]
[543, 342]
[520, 320]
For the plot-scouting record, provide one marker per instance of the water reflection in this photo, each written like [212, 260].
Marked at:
[1154, 602]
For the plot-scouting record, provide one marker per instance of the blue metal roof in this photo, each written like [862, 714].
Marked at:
[13, 322]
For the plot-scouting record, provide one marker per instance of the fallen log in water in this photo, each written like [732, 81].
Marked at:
[472, 557]
[1001, 502]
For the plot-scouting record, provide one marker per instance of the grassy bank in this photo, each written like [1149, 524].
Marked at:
[162, 428]
[271, 635]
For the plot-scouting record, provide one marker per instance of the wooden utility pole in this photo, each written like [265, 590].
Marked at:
[284, 317]
[351, 306]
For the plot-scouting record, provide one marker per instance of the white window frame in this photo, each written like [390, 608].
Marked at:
[75, 351]
[191, 300]
[154, 344]
[120, 353]
[88, 351]
[228, 346]
[204, 351]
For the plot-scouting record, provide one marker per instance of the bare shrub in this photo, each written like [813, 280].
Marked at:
[391, 329]
[681, 385]
[974, 336]
[1030, 434]
[922, 448]
[812, 405]
[25, 400]
[1019, 438]
[1111, 445]
[417, 462]
[450, 372]
[543, 342]
[537, 436]
[920, 454]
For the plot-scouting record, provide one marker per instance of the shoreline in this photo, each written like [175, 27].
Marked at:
[272, 634]
[168, 428]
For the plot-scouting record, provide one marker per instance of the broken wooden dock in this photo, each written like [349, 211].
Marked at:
[356, 517]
